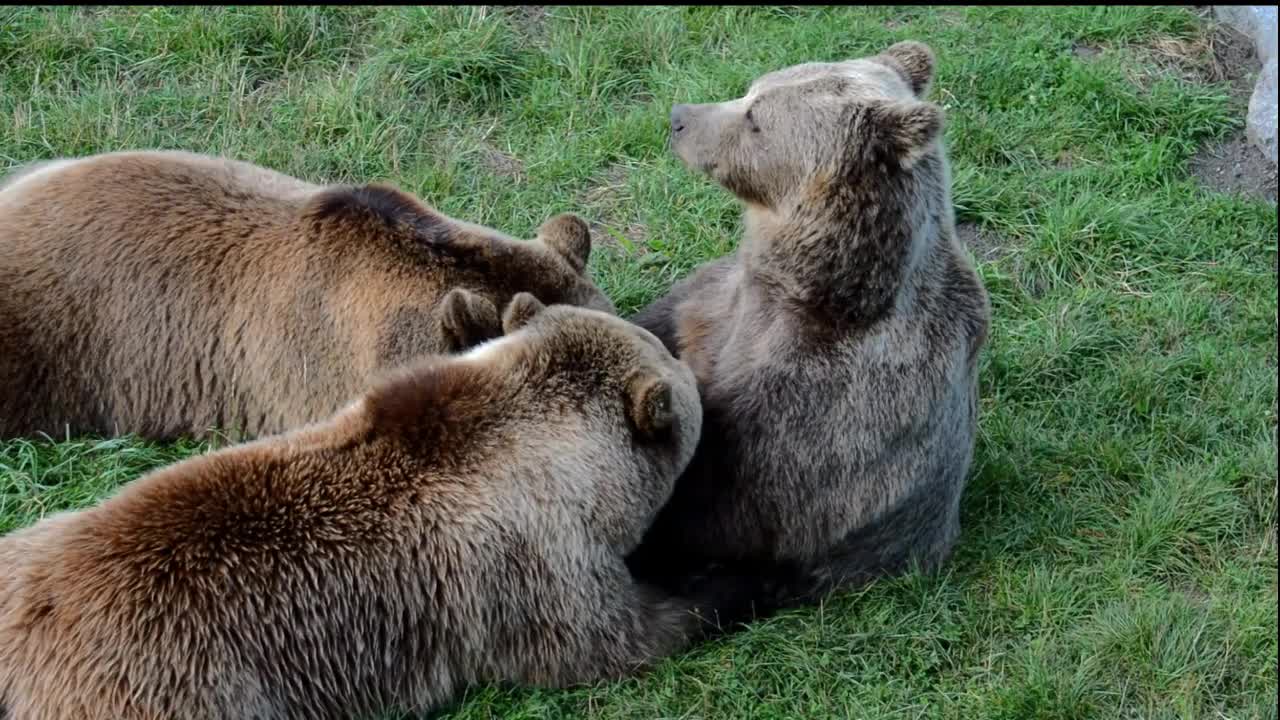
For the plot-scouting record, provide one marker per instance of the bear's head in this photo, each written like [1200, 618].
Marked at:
[799, 129]
[453, 253]
[629, 386]
[607, 406]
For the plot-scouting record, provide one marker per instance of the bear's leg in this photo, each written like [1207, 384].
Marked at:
[632, 627]
[659, 317]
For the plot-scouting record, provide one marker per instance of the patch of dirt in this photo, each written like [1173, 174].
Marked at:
[1068, 159]
[1221, 54]
[1085, 51]
[501, 164]
[529, 20]
[607, 197]
[986, 245]
[1235, 167]
[1224, 55]
[477, 145]
[636, 233]
[609, 184]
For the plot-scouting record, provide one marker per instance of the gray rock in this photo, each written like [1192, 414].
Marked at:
[1258, 23]
[1261, 122]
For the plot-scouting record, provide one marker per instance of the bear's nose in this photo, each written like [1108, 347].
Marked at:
[678, 114]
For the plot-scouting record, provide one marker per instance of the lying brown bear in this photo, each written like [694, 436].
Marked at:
[167, 293]
[463, 522]
[837, 350]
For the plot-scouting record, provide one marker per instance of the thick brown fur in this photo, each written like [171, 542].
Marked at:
[837, 349]
[463, 522]
[167, 293]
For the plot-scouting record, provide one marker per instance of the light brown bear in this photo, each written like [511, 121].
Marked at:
[837, 349]
[168, 293]
[464, 522]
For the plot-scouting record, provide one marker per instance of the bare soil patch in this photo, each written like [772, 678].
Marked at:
[1085, 51]
[608, 199]
[530, 20]
[1220, 55]
[1235, 167]
[985, 244]
[501, 163]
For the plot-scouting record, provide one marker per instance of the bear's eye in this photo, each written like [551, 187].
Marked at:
[751, 122]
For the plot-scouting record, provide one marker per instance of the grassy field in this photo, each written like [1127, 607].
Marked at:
[1119, 550]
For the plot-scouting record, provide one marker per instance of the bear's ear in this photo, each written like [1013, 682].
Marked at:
[522, 308]
[568, 235]
[467, 320]
[383, 206]
[915, 61]
[649, 403]
[905, 129]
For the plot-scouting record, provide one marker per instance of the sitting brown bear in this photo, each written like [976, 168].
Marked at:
[837, 350]
[464, 522]
[167, 293]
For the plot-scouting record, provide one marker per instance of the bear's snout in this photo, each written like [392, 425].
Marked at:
[678, 115]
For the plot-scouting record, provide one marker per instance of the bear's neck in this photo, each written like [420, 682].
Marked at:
[844, 254]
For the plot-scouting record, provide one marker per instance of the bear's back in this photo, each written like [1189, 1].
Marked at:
[124, 267]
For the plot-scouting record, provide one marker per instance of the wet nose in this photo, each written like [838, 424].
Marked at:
[678, 114]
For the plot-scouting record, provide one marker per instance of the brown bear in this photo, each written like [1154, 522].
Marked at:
[464, 522]
[836, 350]
[169, 293]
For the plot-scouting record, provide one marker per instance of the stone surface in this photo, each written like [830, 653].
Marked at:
[1261, 123]
[1235, 167]
[1258, 23]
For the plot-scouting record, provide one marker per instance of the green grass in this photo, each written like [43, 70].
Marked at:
[1119, 550]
